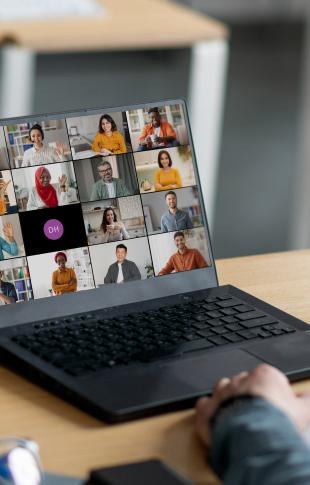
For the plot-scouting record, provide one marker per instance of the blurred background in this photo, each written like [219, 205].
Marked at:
[261, 197]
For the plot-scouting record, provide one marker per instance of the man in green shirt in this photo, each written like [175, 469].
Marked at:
[108, 187]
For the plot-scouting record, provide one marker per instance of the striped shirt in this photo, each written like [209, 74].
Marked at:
[45, 155]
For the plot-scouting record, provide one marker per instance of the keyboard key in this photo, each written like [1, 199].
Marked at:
[288, 329]
[228, 311]
[258, 322]
[218, 340]
[206, 333]
[229, 319]
[250, 315]
[233, 337]
[215, 322]
[219, 330]
[200, 325]
[244, 308]
[233, 327]
[228, 303]
[263, 333]
[214, 314]
[210, 307]
[247, 334]
[201, 317]
[277, 331]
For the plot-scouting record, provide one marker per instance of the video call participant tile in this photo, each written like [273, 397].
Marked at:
[52, 229]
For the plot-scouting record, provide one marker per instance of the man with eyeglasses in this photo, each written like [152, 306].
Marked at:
[108, 187]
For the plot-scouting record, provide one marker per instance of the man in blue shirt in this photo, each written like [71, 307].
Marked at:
[8, 293]
[252, 425]
[174, 219]
[8, 243]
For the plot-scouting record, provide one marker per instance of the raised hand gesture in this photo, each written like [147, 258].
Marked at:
[63, 183]
[8, 231]
[3, 187]
[60, 148]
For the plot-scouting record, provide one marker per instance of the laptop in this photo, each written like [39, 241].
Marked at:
[108, 289]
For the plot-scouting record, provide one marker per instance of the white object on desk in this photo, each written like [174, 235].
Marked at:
[86, 154]
[12, 10]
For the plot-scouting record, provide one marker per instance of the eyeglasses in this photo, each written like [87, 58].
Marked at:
[19, 462]
[105, 171]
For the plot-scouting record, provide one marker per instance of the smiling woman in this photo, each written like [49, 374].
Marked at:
[108, 139]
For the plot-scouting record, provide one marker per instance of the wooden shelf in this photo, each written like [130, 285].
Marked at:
[138, 24]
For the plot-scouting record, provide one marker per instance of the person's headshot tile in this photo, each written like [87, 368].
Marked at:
[37, 143]
[100, 134]
[165, 169]
[106, 177]
[157, 127]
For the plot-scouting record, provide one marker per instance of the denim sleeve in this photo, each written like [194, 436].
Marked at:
[254, 443]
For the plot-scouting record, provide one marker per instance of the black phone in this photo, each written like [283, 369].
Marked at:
[150, 472]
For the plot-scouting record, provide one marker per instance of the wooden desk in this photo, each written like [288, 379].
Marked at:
[128, 25]
[72, 442]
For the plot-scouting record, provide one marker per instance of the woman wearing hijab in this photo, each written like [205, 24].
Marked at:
[45, 194]
[63, 279]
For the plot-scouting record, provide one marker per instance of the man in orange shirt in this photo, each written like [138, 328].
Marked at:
[157, 133]
[184, 259]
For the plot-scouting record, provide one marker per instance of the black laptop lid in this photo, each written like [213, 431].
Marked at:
[100, 208]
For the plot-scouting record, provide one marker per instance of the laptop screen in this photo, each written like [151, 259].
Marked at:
[97, 199]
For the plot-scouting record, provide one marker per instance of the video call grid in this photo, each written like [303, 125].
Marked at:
[145, 226]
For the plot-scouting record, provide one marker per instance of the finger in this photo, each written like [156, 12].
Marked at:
[235, 386]
[201, 419]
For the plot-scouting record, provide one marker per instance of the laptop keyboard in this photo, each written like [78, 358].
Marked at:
[88, 342]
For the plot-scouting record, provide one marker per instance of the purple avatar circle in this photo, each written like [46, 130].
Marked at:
[53, 229]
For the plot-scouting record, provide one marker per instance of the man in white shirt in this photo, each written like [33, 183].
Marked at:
[108, 187]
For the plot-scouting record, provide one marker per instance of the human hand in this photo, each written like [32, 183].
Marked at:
[105, 152]
[110, 227]
[264, 381]
[60, 148]
[8, 231]
[158, 186]
[63, 183]
[3, 186]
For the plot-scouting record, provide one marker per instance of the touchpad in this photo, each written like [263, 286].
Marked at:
[289, 353]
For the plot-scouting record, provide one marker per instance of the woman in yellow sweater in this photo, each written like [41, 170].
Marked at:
[166, 177]
[108, 140]
[63, 279]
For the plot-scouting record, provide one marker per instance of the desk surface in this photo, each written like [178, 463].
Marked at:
[72, 442]
[134, 24]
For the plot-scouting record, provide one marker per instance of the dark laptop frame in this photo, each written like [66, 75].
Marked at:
[154, 288]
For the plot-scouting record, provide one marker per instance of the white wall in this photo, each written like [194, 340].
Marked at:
[88, 125]
[103, 255]
[163, 246]
[14, 220]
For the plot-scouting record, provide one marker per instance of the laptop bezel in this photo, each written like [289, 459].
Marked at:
[109, 295]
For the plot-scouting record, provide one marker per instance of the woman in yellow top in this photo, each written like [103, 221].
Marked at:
[108, 140]
[63, 279]
[166, 177]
